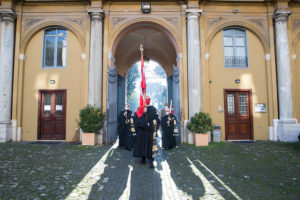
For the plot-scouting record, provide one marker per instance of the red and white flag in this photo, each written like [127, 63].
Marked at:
[140, 110]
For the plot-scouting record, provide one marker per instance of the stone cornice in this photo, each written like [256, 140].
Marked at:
[281, 15]
[8, 15]
[193, 13]
[194, 10]
[96, 14]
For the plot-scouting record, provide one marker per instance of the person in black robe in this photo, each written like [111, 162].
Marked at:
[124, 126]
[163, 111]
[146, 127]
[169, 130]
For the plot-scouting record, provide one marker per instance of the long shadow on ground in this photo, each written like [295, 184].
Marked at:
[182, 173]
[29, 171]
[145, 183]
[260, 170]
[113, 181]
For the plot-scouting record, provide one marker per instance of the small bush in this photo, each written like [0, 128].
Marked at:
[200, 123]
[91, 119]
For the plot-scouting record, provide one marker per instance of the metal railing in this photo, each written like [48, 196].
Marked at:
[236, 61]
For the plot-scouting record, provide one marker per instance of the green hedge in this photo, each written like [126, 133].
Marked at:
[91, 119]
[200, 123]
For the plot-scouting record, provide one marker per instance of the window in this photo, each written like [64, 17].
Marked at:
[55, 48]
[230, 104]
[235, 47]
[243, 104]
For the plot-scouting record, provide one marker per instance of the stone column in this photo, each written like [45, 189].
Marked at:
[194, 61]
[288, 128]
[176, 100]
[283, 65]
[6, 74]
[112, 102]
[95, 70]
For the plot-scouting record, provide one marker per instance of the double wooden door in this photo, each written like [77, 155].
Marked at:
[52, 115]
[238, 114]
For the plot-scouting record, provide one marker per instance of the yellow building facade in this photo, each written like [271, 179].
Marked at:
[230, 59]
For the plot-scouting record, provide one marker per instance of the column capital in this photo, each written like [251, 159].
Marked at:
[193, 13]
[96, 14]
[8, 15]
[281, 15]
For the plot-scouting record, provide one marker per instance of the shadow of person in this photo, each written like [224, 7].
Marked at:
[182, 174]
[113, 181]
[145, 183]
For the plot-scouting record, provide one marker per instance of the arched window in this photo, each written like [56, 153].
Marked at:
[235, 47]
[55, 48]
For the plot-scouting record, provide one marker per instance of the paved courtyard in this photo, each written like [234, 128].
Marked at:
[260, 170]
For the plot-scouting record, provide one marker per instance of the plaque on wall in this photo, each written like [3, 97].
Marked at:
[260, 108]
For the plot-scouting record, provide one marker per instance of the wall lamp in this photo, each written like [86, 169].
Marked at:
[146, 7]
[237, 81]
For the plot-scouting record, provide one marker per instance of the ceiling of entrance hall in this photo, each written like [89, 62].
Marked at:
[156, 46]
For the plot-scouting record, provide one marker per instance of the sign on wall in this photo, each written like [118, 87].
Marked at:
[260, 108]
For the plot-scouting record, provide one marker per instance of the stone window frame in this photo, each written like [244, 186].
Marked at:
[55, 47]
[234, 47]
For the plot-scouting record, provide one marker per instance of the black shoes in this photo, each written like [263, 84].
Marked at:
[151, 164]
[143, 161]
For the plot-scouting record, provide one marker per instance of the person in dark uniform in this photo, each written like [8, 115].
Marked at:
[146, 131]
[169, 130]
[163, 111]
[125, 134]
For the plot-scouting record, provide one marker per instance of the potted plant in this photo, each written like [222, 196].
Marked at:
[200, 124]
[90, 121]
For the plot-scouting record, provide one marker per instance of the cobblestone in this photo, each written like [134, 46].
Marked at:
[261, 170]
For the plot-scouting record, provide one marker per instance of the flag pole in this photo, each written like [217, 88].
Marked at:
[142, 60]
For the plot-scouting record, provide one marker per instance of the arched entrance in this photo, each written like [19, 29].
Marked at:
[157, 86]
[159, 45]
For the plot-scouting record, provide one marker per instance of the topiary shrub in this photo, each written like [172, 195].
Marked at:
[91, 119]
[200, 123]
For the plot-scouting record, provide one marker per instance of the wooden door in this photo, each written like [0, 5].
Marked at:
[52, 115]
[238, 114]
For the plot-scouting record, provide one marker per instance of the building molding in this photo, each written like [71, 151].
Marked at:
[281, 15]
[164, 27]
[44, 24]
[295, 39]
[243, 23]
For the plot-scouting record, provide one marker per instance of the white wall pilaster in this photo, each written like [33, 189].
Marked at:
[96, 49]
[6, 73]
[194, 61]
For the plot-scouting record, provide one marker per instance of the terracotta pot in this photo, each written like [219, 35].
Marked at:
[201, 139]
[89, 139]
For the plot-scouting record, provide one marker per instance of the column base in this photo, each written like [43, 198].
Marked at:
[187, 136]
[273, 131]
[6, 131]
[9, 131]
[19, 134]
[287, 130]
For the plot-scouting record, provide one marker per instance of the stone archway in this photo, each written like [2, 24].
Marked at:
[158, 45]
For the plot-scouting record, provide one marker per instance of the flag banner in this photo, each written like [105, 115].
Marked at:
[140, 110]
[143, 82]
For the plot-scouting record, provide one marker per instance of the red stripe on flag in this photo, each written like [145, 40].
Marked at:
[140, 110]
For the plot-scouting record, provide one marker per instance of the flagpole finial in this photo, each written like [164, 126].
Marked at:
[141, 48]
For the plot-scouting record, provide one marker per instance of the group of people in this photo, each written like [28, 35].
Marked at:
[140, 132]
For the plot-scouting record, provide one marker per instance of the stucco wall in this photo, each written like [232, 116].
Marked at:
[36, 78]
[0, 33]
[296, 82]
[254, 77]
[75, 77]
[294, 39]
